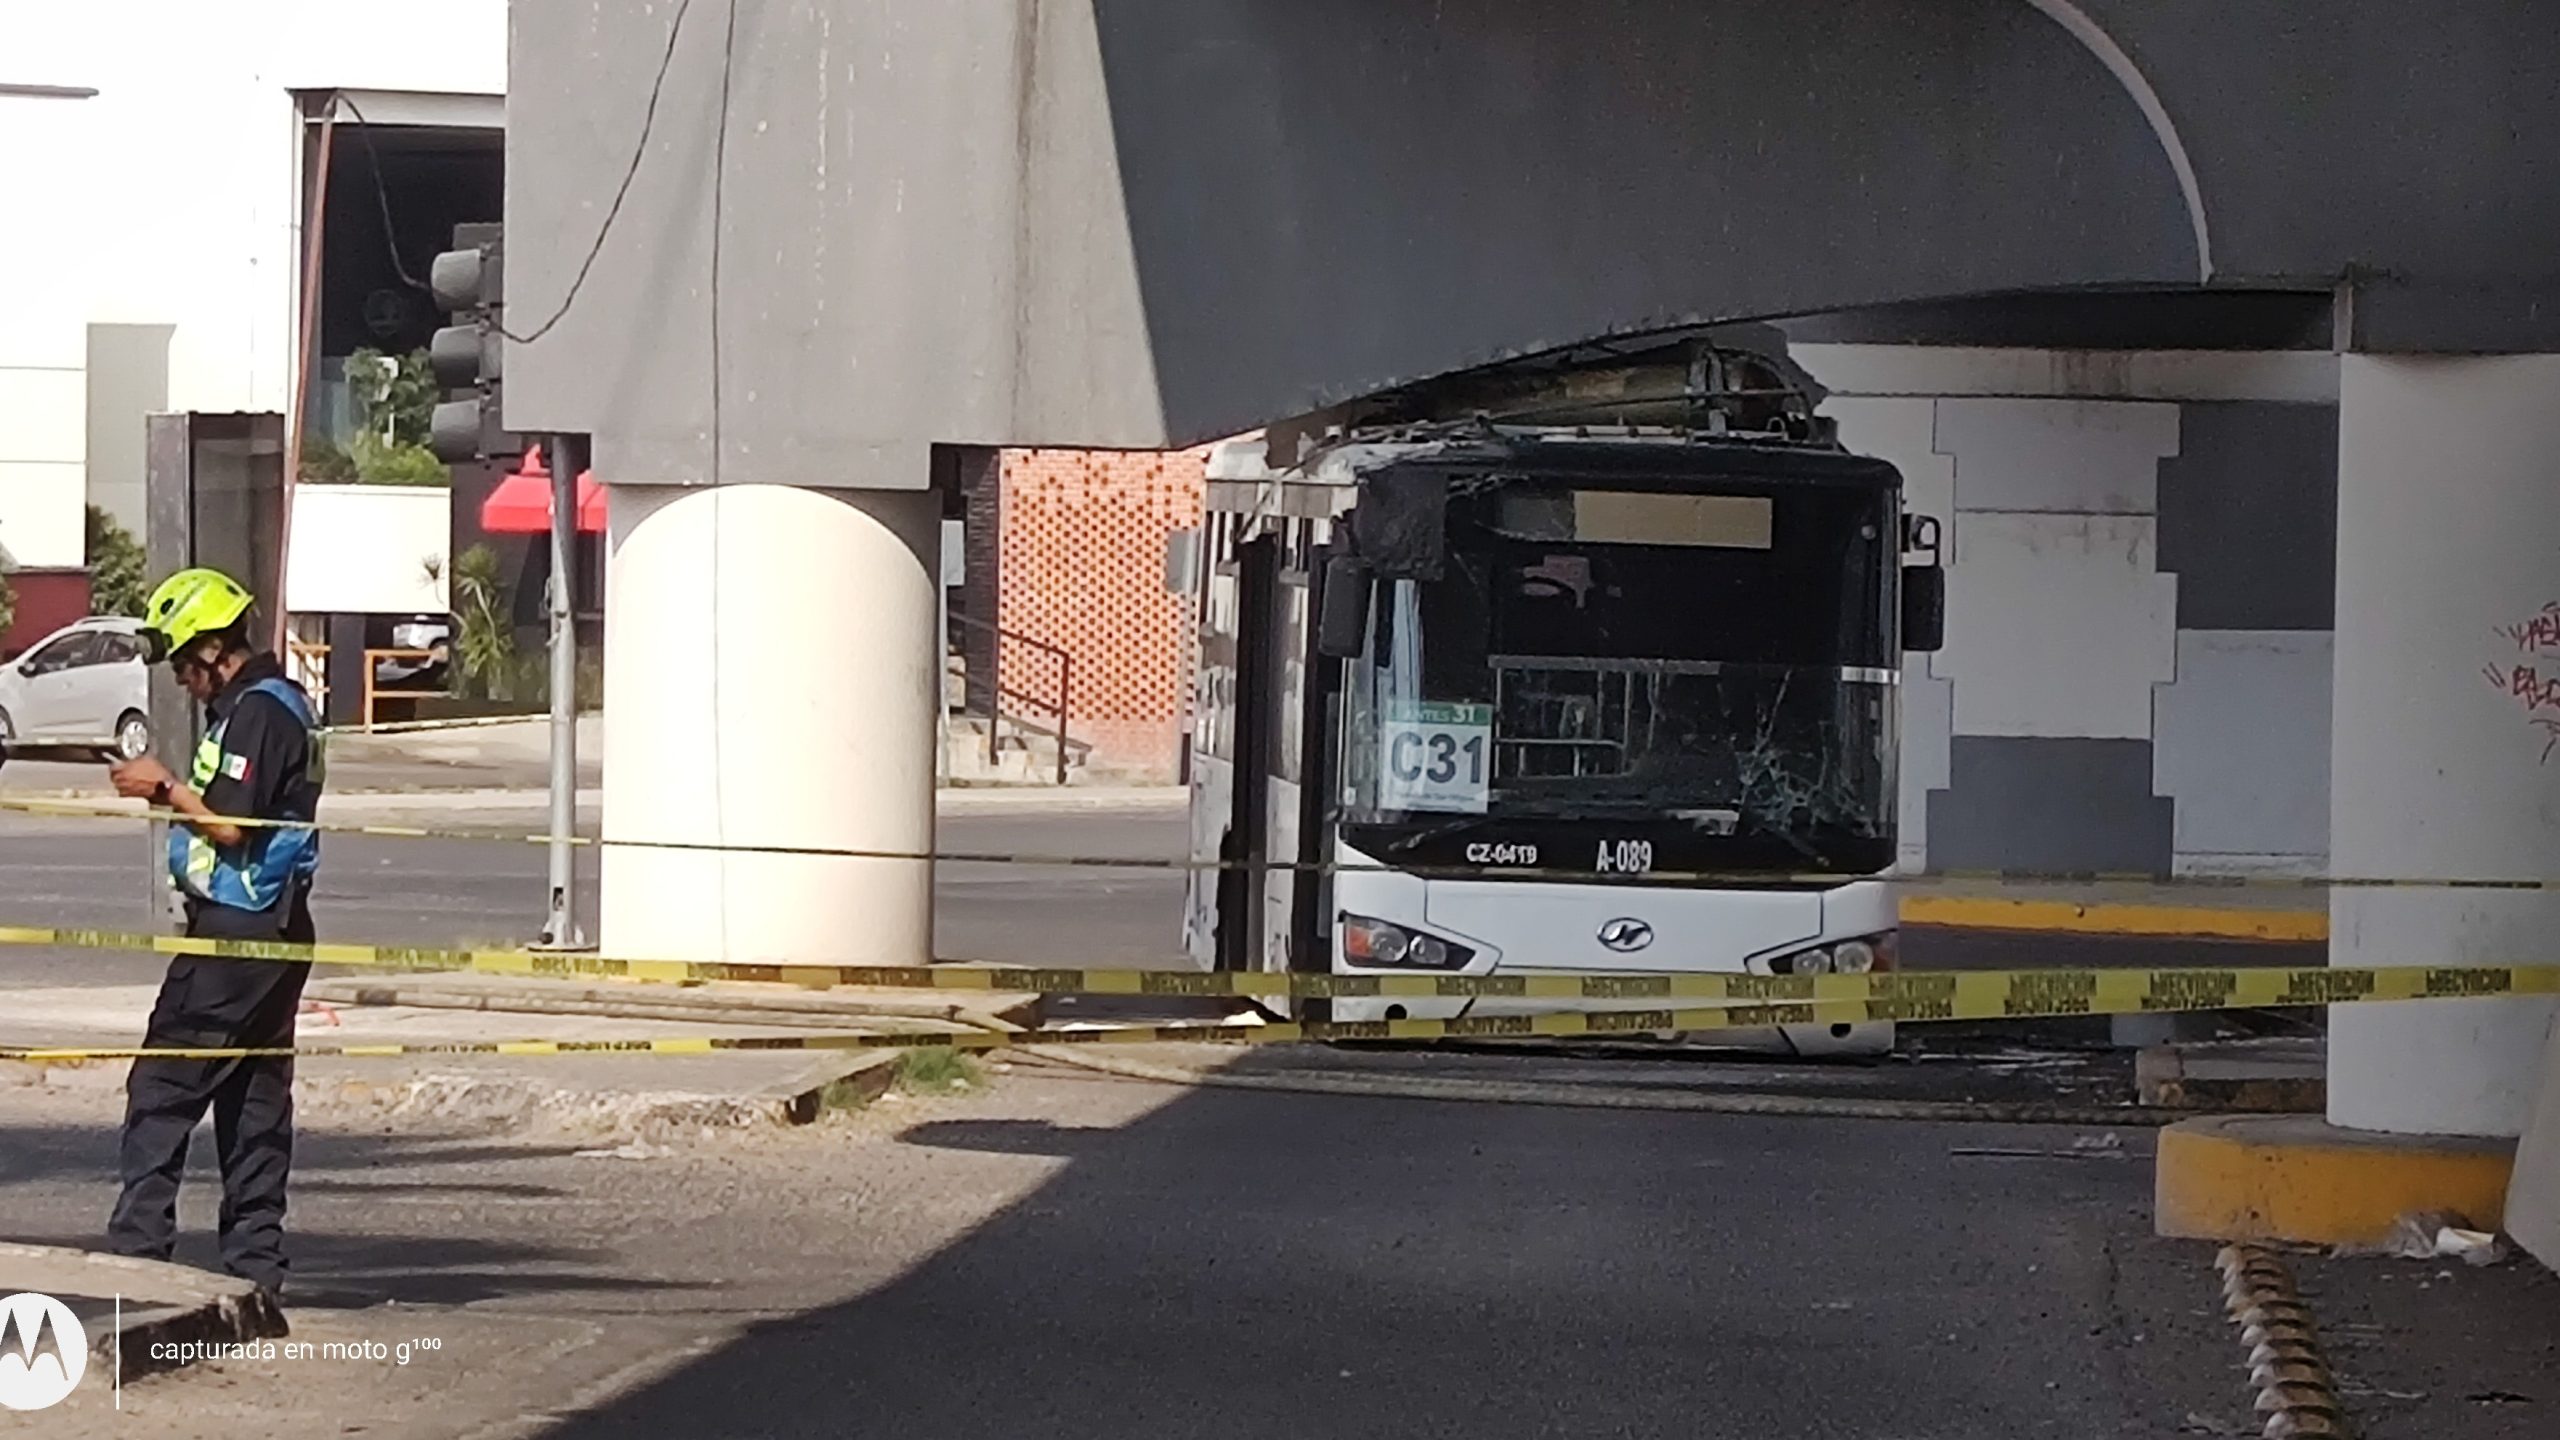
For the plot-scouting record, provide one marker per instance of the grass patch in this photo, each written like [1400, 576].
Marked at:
[939, 1070]
[848, 1094]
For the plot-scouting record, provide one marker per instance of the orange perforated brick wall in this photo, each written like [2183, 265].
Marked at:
[1080, 543]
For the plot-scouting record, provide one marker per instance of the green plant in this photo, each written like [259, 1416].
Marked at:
[534, 679]
[116, 580]
[8, 609]
[395, 399]
[849, 1094]
[487, 641]
[939, 1070]
[326, 462]
[378, 462]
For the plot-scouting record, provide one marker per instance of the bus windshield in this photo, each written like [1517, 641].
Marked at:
[1720, 661]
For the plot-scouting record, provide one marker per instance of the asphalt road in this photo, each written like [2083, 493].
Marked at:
[1095, 1259]
[91, 873]
[1098, 1260]
[72, 872]
[1079, 1257]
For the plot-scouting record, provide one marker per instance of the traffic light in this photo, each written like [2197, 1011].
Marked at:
[469, 281]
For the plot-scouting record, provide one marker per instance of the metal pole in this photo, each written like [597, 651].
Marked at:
[568, 460]
[315, 225]
[942, 679]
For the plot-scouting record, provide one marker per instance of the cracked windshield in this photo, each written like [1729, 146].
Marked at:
[1719, 659]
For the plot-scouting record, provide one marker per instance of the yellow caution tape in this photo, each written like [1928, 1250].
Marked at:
[1915, 995]
[1747, 878]
[454, 722]
[1904, 998]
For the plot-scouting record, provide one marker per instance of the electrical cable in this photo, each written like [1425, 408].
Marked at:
[719, 206]
[381, 194]
[613, 212]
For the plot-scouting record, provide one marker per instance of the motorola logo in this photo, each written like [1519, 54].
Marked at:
[1626, 935]
[43, 1349]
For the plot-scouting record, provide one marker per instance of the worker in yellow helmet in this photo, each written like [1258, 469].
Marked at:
[260, 760]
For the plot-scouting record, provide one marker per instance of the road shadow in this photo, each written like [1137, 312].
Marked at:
[1250, 1266]
[57, 1182]
[1007, 1137]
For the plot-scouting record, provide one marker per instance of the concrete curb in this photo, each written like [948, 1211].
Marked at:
[599, 1111]
[165, 1305]
[696, 1004]
[2284, 1075]
[857, 1079]
[607, 1114]
[1100, 1061]
[2297, 1178]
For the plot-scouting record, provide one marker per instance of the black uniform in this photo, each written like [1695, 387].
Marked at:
[213, 1003]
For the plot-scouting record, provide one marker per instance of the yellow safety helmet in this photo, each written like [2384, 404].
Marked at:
[188, 606]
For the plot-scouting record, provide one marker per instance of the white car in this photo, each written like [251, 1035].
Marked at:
[84, 686]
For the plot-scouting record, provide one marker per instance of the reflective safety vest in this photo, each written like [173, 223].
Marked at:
[255, 874]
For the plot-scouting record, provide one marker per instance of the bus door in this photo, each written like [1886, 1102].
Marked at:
[1241, 882]
[1285, 889]
[1229, 752]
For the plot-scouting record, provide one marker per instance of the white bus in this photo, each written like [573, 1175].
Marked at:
[1547, 687]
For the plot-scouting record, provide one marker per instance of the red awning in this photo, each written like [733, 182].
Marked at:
[521, 505]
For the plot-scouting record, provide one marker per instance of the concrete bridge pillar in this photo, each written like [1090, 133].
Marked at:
[2446, 731]
[2445, 766]
[770, 680]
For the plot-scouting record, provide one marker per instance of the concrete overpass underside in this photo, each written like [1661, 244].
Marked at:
[844, 233]
[1150, 222]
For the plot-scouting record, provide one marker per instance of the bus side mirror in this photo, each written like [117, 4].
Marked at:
[1342, 616]
[1924, 609]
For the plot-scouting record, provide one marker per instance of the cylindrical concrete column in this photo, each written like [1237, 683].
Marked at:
[770, 680]
[2443, 762]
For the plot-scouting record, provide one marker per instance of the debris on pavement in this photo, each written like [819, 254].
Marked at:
[2441, 1234]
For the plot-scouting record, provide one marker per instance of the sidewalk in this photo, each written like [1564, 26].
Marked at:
[358, 806]
[2208, 909]
[606, 1096]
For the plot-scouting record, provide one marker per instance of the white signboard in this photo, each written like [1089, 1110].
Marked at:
[1436, 757]
[370, 550]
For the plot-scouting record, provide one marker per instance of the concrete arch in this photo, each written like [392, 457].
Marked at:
[1148, 222]
[1397, 191]
[2138, 88]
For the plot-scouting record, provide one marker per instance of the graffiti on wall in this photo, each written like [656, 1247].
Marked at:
[2532, 680]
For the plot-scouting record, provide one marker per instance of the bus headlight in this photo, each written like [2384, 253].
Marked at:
[1373, 942]
[1376, 942]
[1853, 957]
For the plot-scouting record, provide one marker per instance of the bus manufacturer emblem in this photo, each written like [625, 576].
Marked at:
[1626, 934]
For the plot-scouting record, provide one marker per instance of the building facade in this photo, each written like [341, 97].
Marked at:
[160, 158]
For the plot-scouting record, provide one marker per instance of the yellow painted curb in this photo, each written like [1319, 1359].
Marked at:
[2298, 1178]
[1982, 912]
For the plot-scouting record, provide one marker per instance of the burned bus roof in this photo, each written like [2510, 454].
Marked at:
[1328, 481]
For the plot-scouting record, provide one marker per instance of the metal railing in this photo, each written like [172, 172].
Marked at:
[998, 687]
[308, 667]
[374, 693]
